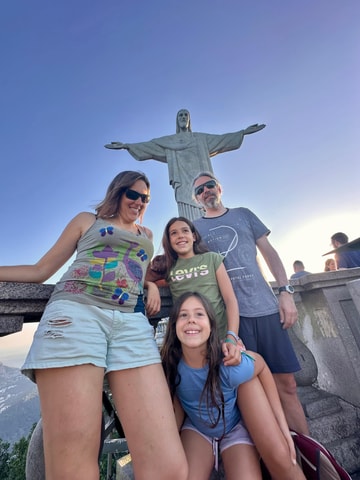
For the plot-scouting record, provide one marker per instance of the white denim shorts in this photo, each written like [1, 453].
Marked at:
[71, 333]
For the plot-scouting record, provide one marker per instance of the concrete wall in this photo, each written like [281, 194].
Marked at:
[329, 325]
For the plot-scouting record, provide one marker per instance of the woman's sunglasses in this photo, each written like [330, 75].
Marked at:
[210, 184]
[134, 195]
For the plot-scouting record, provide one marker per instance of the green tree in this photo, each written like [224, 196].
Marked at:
[13, 463]
[17, 460]
[4, 459]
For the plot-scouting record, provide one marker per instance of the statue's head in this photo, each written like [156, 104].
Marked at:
[183, 121]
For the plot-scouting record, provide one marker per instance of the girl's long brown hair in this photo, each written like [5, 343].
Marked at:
[171, 354]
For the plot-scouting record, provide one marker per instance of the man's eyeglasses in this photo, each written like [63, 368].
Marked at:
[209, 184]
[134, 195]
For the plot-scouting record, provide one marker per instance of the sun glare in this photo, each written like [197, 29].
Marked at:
[310, 241]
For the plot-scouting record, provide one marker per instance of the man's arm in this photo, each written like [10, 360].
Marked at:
[287, 308]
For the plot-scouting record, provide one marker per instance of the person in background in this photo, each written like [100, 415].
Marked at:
[95, 324]
[330, 265]
[299, 270]
[237, 233]
[347, 259]
[205, 392]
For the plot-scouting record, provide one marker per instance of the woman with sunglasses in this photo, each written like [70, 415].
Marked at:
[95, 324]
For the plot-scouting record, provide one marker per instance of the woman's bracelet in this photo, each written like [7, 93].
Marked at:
[230, 340]
[233, 334]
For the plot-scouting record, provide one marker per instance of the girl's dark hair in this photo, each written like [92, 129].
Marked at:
[170, 255]
[171, 354]
[109, 207]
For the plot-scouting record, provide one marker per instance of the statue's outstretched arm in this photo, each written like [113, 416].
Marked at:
[116, 145]
[254, 128]
[142, 150]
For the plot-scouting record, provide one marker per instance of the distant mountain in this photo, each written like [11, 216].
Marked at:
[19, 404]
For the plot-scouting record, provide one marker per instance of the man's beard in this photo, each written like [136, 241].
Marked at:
[212, 201]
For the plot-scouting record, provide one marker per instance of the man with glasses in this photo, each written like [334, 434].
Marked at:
[237, 233]
[186, 153]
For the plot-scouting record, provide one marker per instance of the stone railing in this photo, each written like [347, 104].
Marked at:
[25, 302]
[329, 326]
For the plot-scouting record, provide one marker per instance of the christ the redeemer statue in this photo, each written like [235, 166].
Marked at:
[187, 153]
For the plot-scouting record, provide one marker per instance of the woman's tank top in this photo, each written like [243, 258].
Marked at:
[109, 269]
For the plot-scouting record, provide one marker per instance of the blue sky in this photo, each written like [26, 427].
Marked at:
[77, 75]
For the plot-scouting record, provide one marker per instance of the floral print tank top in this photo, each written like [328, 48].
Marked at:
[109, 269]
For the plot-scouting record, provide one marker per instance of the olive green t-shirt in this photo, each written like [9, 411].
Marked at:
[198, 274]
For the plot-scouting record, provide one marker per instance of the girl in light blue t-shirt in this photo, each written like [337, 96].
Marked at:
[205, 391]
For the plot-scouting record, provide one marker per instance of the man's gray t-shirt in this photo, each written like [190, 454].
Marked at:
[234, 235]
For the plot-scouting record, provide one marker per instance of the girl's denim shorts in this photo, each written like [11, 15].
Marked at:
[72, 333]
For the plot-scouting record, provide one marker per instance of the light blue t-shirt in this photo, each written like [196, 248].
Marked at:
[192, 384]
[300, 274]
